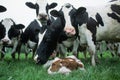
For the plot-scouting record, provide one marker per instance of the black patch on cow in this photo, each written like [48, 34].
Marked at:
[91, 25]
[81, 17]
[32, 31]
[99, 19]
[114, 16]
[2, 31]
[2, 8]
[49, 42]
[13, 32]
[37, 9]
[33, 6]
[112, 0]
[53, 5]
[115, 8]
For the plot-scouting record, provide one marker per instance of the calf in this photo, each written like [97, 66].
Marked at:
[64, 66]
[2, 8]
[10, 35]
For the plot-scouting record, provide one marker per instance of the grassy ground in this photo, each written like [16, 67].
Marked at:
[107, 69]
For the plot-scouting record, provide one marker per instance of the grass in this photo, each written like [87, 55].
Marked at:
[107, 69]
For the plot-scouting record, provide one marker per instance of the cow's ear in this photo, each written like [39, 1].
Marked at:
[2, 8]
[30, 5]
[20, 26]
[53, 5]
[55, 13]
[81, 10]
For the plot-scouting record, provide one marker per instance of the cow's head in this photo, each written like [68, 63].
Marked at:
[42, 8]
[66, 14]
[2, 9]
[9, 30]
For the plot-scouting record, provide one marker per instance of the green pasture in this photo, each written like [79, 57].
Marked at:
[108, 68]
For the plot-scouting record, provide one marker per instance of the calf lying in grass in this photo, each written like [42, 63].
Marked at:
[64, 66]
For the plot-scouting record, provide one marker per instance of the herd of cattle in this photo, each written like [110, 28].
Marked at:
[68, 29]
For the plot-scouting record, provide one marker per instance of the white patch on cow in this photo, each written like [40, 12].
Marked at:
[86, 38]
[42, 6]
[15, 44]
[31, 44]
[41, 36]
[39, 22]
[66, 12]
[35, 58]
[7, 22]
[66, 15]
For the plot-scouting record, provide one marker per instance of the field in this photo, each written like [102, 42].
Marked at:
[108, 68]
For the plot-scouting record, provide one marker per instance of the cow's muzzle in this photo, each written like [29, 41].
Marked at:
[70, 31]
[5, 41]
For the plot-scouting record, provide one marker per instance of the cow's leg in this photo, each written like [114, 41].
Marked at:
[62, 50]
[75, 47]
[2, 51]
[14, 48]
[34, 50]
[118, 50]
[92, 48]
[19, 49]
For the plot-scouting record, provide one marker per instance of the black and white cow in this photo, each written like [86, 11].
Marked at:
[33, 35]
[92, 27]
[60, 30]
[2, 8]
[93, 24]
[10, 35]
[42, 9]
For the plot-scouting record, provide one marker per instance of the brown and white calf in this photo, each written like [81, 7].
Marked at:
[64, 66]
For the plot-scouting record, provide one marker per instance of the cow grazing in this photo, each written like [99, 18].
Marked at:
[10, 35]
[58, 31]
[2, 8]
[64, 66]
[42, 9]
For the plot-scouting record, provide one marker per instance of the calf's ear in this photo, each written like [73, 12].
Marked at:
[55, 13]
[81, 10]
[20, 26]
[2, 9]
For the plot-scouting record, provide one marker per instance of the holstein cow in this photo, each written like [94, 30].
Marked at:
[42, 9]
[64, 66]
[2, 8]
[10, 35]
[33, 35]
[93, 27]
[58, 31]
